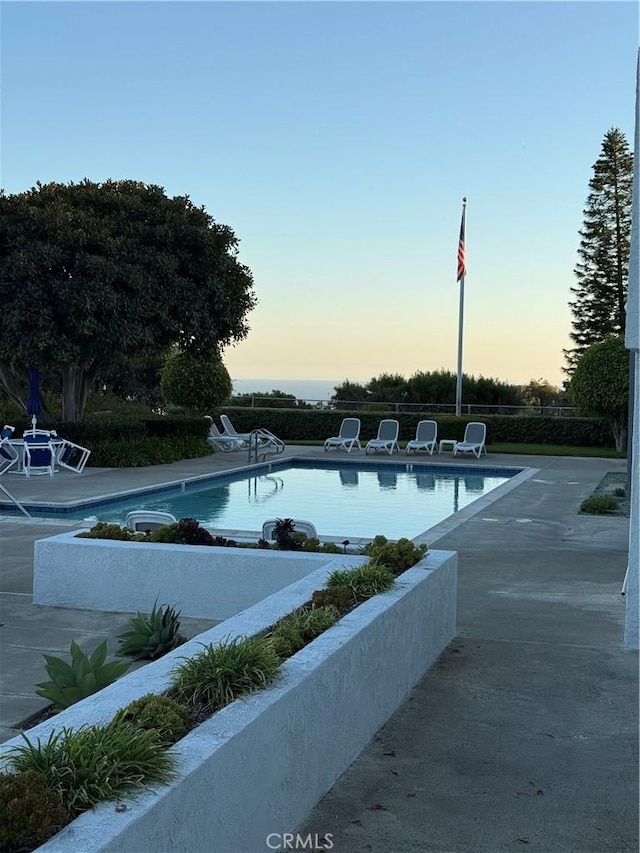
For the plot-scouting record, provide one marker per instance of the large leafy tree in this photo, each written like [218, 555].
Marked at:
[93, 273]
[600, 385]
[598, 306]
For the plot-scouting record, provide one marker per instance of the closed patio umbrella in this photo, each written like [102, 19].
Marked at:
[33, 403]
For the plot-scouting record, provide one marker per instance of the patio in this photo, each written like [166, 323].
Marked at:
[524, 733]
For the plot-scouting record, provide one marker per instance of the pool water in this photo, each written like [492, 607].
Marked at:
[341, 500]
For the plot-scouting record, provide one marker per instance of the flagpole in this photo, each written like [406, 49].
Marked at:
[462, 270]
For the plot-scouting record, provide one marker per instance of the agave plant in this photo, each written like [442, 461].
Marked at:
[73, 681]
[283, 532]
[152, 636]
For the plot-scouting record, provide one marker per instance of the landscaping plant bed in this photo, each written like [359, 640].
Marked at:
[259, 764]
[203, 582]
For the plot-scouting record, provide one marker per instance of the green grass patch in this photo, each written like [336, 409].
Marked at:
[556, 450]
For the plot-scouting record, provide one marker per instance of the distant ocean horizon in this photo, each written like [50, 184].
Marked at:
[302, 389]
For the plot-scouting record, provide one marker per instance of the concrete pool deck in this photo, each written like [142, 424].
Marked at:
[523, 736]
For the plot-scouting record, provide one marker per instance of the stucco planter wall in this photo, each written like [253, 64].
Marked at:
[261, 764]
[205, 582]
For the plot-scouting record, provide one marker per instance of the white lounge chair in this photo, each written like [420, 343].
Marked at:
[473, 441]
[387, 438]
[143, 520]
[225, 443]
[348, 436]
[230, 431]
[307, 527]
[426, 438]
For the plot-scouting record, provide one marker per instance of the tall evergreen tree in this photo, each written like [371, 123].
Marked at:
[598, 306]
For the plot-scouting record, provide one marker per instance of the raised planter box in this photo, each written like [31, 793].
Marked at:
[260, 765]
[205, 582]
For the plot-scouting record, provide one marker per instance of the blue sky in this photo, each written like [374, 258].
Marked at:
[337, 139]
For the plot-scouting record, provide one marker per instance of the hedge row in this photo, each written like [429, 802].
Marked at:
[96, 428]
[305, 425]
[148, 450]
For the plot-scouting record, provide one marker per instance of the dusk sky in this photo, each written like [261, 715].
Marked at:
[337, 140]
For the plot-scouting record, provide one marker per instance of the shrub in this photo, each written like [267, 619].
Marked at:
[71, 682]
[219, 674]
[620, 492]
[169, 718]
[197, 384]
[189, 532]
[102, 530]
[152, 636]
[30, 811]
[599, 385]
[296, 630]
[396, 556]
[599, 505]
[166, 533]
[96, 763]
[145, 451]
[364, 582]
[340, 597]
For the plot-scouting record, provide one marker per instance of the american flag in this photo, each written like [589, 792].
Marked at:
[462, 263]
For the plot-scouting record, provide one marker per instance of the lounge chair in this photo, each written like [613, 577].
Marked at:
[7, 431]
[39, 453]
[225, 443]
[9, 456]
[348, 436]
[387, 438]
[307, 527]
[143, 520]
[426, 438]
[473, 441]
[230, 432]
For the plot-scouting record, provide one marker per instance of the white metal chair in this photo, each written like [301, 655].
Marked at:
[348, 436]
[473, 442]
[70, 455]
[9, 456]
[143, 520]
[426, 438]
[298, 527]
[39, 453]
[387, 438]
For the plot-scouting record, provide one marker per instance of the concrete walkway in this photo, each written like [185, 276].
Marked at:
[524, 736]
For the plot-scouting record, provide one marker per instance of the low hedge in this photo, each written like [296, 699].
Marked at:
[144, 451]
[102, 427]
[305, 425]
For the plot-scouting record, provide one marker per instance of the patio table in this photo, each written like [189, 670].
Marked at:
[446, 443]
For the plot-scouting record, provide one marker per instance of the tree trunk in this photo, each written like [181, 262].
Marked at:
[620, 435]
[75, 389]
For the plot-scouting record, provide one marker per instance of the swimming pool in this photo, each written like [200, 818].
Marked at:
[341, 499]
